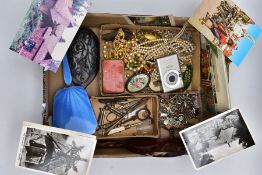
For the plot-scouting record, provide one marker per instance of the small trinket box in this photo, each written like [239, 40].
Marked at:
[113, 76]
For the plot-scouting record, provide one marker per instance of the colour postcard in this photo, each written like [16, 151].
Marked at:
[227, 27]
[48, 30]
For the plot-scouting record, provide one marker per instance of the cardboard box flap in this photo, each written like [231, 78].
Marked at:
[98, 19]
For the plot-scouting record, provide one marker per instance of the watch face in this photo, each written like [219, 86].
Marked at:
[137, 82]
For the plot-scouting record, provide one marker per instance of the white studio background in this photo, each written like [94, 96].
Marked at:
[21, 94]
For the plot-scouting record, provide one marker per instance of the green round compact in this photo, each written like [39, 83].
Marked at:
[137, 82]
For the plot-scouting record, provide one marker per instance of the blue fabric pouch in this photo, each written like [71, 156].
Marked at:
[72, 107]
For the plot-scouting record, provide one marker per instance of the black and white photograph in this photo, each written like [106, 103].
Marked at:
[55, 151]
[217, 138]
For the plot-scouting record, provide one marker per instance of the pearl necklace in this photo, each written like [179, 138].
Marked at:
[147, 52]
[153, 49]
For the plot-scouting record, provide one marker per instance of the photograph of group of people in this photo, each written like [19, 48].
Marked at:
[227, 27]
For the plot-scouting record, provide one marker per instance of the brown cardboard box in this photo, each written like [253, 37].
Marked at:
[54, 81]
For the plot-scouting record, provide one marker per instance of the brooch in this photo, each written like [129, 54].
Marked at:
[137, 82]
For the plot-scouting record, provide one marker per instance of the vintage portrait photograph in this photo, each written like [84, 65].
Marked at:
[45, 33]
[54, 151]
[227, 27]
[217, 138]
